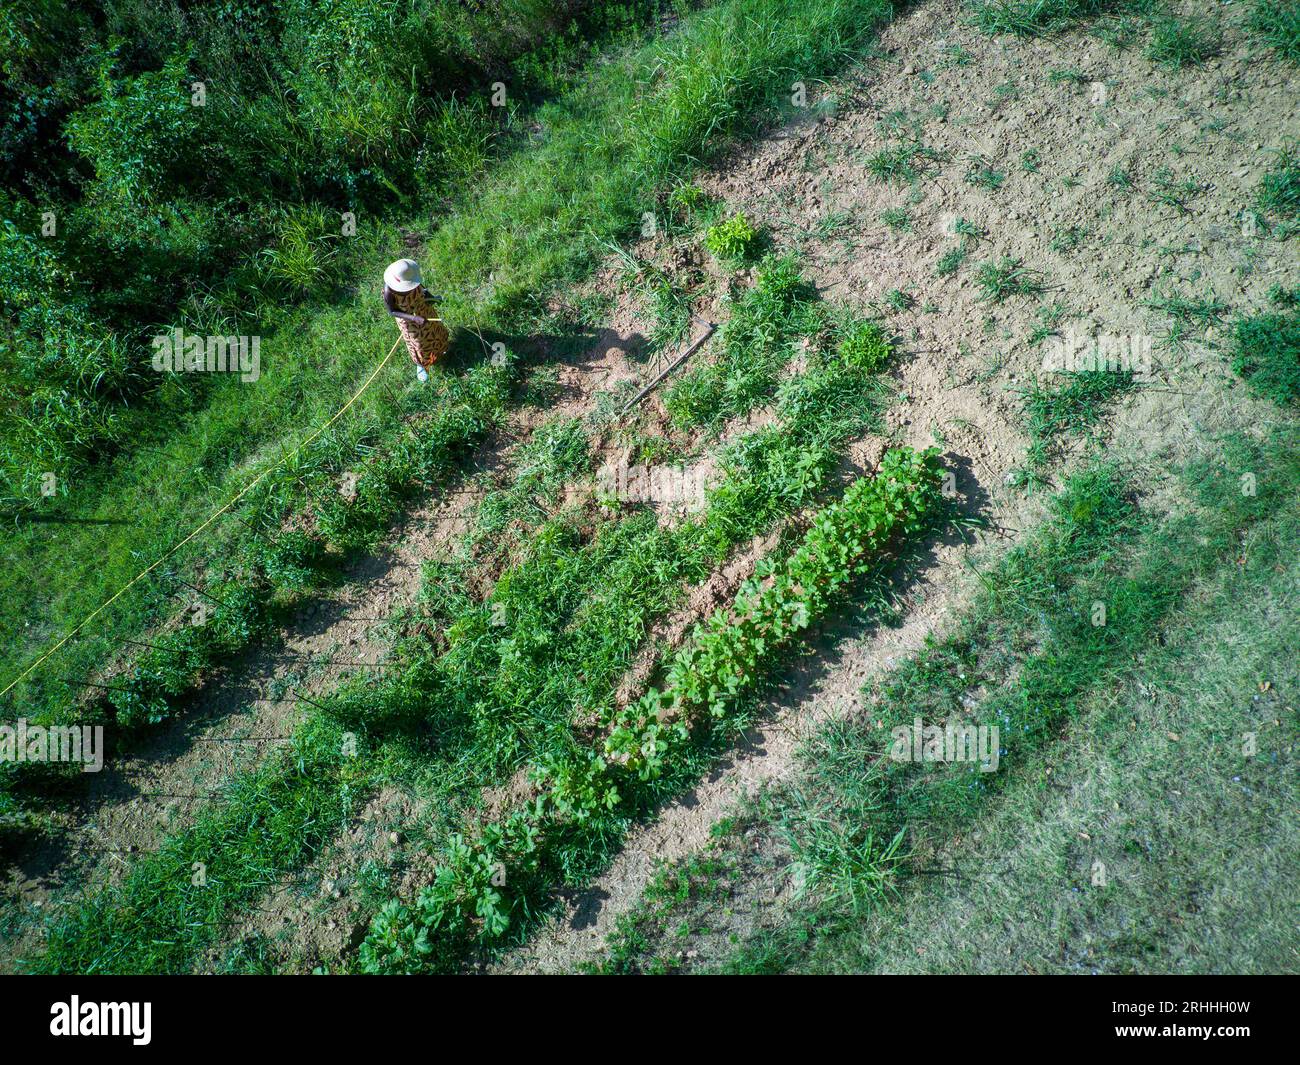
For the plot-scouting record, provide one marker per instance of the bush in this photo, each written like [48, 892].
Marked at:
[138, 135]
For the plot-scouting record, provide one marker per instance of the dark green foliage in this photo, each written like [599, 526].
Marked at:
[1266, 353]
[195, 164]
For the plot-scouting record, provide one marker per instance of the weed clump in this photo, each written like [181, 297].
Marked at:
[1184, 42]
[755, 343]
[1279, 192]
[865, 347]
[1073, 407]
[732, 240]
[1009, 277]
[1267, 355]
[1032, 18]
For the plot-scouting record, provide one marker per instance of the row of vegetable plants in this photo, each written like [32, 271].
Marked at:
[503, 876]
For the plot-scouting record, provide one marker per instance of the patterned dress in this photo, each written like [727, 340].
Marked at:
[427, 343]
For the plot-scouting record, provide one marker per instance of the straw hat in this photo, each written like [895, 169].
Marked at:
[403, 275]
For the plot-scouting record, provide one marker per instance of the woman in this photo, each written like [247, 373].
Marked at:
[417, 318]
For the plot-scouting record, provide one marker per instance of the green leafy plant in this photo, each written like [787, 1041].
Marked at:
[483, 884]
[732, 240]
[865, 347]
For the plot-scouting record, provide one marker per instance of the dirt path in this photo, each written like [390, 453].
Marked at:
[1055, 140]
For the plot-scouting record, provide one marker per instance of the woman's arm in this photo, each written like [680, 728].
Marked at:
[388, 302]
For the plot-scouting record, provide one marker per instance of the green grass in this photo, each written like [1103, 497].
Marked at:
[1170, 740]
[1277, 24]
[1007, 277]
[1032, 18]
[655, 744]
[1075, 406]
[982, 174]
[1184, 42]
[755, 344]
[507, 680]
[1266, 353]
[174, 902]
[950, 261]
[1067, 76]
[902, 164]
[223, 217]
[1203, 311]
[1170, 193]
[1279, 192]
[898, 300]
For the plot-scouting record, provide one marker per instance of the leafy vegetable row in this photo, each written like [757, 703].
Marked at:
[486, 884]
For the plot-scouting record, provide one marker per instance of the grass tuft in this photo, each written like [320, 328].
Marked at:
[1034, 18]
[1266, 353]
[1009, 277]
[1277, 24]
[1184, 42]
